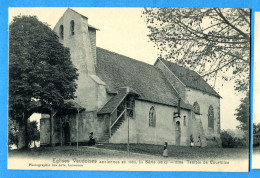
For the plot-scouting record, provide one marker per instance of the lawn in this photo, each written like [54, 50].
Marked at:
[181, 152]
[256, 149]
[145, 150]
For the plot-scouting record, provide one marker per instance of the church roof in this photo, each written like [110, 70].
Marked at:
[113, 102]
[147, 80]
[190, 78]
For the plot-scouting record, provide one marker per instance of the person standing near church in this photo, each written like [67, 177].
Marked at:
[165, 150]
[199, 142]
[191, 141]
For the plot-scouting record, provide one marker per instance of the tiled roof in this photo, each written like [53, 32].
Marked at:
[147, 80]
[113, 102]
[190, 78]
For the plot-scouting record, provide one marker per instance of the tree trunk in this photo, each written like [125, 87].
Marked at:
[51, 128]
[21, 136]
[26, 139]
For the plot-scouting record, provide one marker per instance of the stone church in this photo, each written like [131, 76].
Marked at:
[119, 98]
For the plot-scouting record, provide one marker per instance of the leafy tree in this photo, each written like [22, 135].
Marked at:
[40, 70]
[33, 132]
[210, 41]
[12, 133]
[256, 133]
[243, 114]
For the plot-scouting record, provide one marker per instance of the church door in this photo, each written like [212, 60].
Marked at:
[66, 133]
[177, 133]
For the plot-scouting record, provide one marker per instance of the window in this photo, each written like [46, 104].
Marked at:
[196, 107]
[72, 27]
[184, 120]
[211, 117]
[61, 32]
[152, 117]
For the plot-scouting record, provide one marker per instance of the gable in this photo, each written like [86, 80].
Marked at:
[190, 78]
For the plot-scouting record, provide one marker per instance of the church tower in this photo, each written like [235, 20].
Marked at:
[75, 33]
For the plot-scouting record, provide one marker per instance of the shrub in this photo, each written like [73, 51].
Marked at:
[228, 141]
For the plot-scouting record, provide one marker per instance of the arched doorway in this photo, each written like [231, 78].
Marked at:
[177, 133]
[66, 133]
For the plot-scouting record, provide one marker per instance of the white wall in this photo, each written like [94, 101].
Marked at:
[205, 100]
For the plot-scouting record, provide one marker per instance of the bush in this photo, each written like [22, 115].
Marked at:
[228, 141]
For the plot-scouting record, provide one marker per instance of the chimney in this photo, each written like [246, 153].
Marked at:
[178, 113]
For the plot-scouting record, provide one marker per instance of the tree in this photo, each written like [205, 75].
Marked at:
[40, 70]
[228, 141]
[12, 133]
[210, 41]
[243, 114]
[256, 128]
[33, 132]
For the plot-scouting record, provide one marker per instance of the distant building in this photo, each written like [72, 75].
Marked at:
[113, 88]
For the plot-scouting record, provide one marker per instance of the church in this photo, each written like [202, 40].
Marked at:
[121, 99]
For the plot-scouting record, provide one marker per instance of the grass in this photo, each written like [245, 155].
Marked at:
[180, 152]
[175, 152]
[256, 149]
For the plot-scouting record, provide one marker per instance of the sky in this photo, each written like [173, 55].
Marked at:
[124, 31]
[257, 72]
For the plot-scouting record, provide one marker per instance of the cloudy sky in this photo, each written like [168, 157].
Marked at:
[123, 30]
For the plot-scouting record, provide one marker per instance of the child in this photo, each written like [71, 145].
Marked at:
[165, 150]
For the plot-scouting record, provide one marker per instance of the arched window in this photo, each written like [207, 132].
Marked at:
[152, 117]
[61, 32]
[196, 107]
[72, 27]
[211, 117]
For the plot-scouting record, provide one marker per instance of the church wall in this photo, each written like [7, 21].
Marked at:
[165, 129]
[196, 129]
[176, 84]
[140, 132]
[121, 135]
[88, 122]
[102, 96]
[205, 100]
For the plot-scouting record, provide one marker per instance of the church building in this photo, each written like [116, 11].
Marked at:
[120, 98]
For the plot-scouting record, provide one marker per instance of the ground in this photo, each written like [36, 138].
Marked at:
[138, 151]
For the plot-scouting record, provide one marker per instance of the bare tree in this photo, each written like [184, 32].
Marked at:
[210, 41]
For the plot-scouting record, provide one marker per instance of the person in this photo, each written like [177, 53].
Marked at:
[91, 139]
[191, 141]
[165, 150]
[199, 142]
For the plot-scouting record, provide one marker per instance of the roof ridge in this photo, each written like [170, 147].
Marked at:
[78, 13]
[127, 57]
[181, 66]
[195, 77]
